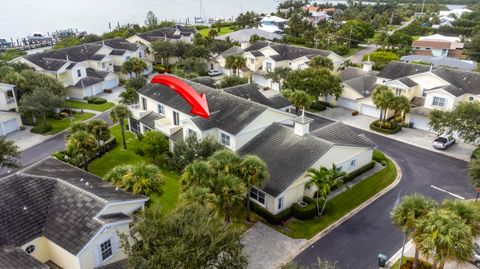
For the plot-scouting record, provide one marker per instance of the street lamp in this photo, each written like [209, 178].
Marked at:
[69, 110]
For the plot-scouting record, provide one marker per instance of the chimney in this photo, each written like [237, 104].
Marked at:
[368, 65]
[301, 124]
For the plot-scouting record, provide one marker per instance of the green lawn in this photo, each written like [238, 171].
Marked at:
[60, 125]
[84, 105]
[117, 156]
[223, 30]
[342, 204]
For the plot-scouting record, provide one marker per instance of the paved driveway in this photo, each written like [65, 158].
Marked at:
[267, 248]
[357, 242]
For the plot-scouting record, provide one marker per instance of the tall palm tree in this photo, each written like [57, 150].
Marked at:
[445, 236]
[229, 192]
[298, 99]
[278, 75]
[81, 148]
[467, 211]
[382, 98]
[224, 162]
[235, 63]
[196, 174]
[254, 172]
[118, 114]
[401, 105]
[99, 129]
[407, 213]
[324, 179]
[198, 195]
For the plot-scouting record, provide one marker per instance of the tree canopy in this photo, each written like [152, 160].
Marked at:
[314, 81]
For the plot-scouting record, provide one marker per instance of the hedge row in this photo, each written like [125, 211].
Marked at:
[273, 219]
[397, 128]
[476, 153]
[358, 172]
[309, 211]
[95, 100]
[318, 105]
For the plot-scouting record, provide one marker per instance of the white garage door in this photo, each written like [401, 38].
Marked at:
[348, 103]
[420, 122]
[260, 80]
[110, 84]
[10, 126]
[370, 111]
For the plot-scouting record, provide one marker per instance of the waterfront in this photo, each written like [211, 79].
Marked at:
[21, 18]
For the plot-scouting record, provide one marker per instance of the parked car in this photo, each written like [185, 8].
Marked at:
[214, 73]
[443, 142]
[476, 255]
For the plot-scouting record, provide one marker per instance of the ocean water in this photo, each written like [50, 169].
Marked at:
[20, 18]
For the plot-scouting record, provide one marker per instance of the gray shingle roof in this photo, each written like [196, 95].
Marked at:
[150, 118]
[364, 85]
[408, 82]
[395, 70]
[166, 33]
[278, 101]
[51, 198]
[251, 92]
[441, 61]
[464, 81]
[288, 156]
[227, 112]
[244, 35]
[351, 73]
[119, 44]
[235, 50]
[257, 53]
[93, 77]
[288, 52]
[16, 258]
[450, 89]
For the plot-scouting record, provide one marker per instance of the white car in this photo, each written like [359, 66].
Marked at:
[214, 73]
[443, 142]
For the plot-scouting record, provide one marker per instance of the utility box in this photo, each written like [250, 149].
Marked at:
[382, 260]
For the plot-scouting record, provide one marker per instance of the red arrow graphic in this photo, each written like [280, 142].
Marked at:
[196, 101]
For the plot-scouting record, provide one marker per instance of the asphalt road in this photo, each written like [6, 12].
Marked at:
[357, 242]
[46, 148]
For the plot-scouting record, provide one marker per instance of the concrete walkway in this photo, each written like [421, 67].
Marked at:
[414, 137]
[266, 248]
[410, 252]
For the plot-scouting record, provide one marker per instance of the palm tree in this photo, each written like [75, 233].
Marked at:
[254, 173]
[77, 127]
[324, 179]
[99, 129]
[224, 162]
[443, 235]
[196, 174]
[321, 62]
[129, 96]
[229, 191]
[235, 63]
[278, 75]
[407, 213]
[115, 174]
[198, 195]
[467, 211]
[382, 98]
[81, 148]
[474, 172]
[118, 114]
[298, 99]
[401, 105]
[140, 178]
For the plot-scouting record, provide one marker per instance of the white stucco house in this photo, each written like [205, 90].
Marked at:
[10, 120]
[88, 69]
[426, 87]
[55, 215]
[243, 124]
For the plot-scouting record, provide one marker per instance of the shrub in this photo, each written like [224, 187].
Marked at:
[383, 162]
[408, 264]
[159, 68]
[378, 156]
[358, 172]
[309, 211]
[89, 99]
[99, 101]
[318, 105]
[22, 127]
[269, 217]
[340, 49]
[394, 128]
[476, 153]
[41, 129]
[355, 113]
[140, 137]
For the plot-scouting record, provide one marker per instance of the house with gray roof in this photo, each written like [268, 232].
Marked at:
[87, 69]
[55, 215]
[441, 61]
[252, 92]
[243, 120]
[243, 36]
[427, 88]
[264, 56]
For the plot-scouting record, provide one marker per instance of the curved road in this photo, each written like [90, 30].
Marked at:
[357, 242]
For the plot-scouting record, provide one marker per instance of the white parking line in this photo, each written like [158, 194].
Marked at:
[452, 194]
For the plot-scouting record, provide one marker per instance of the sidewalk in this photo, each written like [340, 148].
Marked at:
[414, 137]
[410, 252]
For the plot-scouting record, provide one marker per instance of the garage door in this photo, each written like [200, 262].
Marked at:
[348, 103]
[110, 84]
[260, 80]
[370, 111]
[10, 126]
[420, 122]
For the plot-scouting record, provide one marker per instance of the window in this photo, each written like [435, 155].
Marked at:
[30, 249]
[79, 73]
[268, 66]
[106, 249]
[424, 93]
[398, 92]
[191, 132]
[439, 101]
[140, 54]
[252, 61]
[225, 139]
[160, 110]
[280, 203]
[339, 168]
[176, 118]
[258, 195]
[353, 163]
[144, 103]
